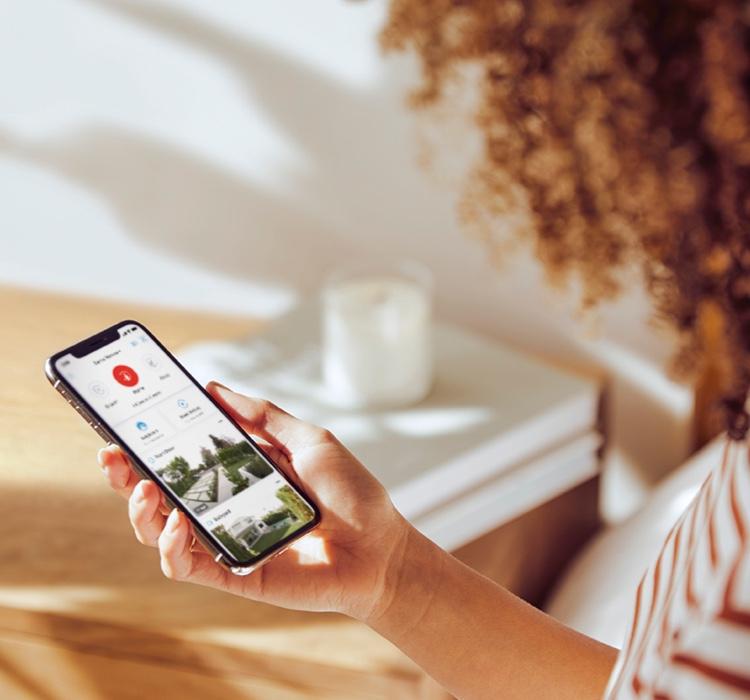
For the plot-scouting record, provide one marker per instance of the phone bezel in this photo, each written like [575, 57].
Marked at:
[112, 334]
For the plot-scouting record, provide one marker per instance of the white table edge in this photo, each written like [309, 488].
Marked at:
[512, 493]
[538, 436]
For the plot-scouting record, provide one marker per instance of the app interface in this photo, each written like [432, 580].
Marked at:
[149, 403]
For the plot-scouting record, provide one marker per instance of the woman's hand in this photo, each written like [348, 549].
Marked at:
[347, 564]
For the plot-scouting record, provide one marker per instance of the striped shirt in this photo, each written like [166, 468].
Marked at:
[689, 636]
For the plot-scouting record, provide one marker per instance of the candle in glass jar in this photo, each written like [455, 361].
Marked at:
[377, 346]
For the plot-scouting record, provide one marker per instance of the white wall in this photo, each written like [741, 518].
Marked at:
[225, 155]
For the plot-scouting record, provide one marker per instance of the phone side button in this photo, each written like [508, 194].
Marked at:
[100, 432]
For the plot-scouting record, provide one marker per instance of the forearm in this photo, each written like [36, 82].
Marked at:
[477, 639]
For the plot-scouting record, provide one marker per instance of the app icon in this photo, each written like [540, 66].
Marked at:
[182, 403]
[125, 375]
[152, 362]
[141, 425]
[98, 388]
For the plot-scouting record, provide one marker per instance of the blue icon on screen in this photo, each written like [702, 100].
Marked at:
[141, 425]
[182, 403]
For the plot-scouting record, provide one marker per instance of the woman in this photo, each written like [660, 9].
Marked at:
[474, 637]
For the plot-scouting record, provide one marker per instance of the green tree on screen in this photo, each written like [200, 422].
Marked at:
[296, 505]
[208, 457]
[220, 443]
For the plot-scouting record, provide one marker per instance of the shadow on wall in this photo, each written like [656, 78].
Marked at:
[186, 207]
[362, 194]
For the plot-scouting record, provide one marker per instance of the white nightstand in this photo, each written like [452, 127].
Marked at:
[500, 435]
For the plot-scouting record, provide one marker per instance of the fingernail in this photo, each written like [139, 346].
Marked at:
[107, 449]
[220, 385]
[173, 520]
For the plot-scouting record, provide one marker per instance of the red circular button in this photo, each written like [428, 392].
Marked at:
[125, 375]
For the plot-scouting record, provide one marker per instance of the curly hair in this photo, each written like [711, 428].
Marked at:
[624, 129]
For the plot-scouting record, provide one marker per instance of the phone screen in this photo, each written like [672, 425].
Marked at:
[150, 404]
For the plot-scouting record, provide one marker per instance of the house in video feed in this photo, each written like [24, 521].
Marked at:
[248, 535]
[215, 473]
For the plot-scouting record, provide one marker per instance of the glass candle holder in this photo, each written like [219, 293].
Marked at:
[377, 337]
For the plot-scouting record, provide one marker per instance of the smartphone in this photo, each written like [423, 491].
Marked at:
[132, 391]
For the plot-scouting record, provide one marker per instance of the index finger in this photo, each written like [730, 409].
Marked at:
[117, 470]
[265, 419]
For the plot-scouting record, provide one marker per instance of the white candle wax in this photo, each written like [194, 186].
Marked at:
[377, 345]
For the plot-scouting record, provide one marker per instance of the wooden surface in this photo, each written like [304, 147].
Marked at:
[81, 600]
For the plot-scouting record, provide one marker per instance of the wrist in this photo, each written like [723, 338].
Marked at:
[409, 580]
